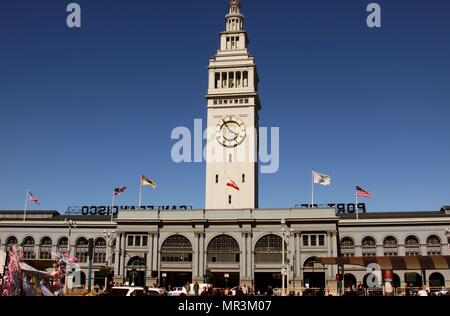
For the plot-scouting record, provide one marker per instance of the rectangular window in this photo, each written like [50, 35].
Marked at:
[217, 178]
[229, 199]
[225, 101]
[321, 240]
[130, 241]
[313, 240]
[243, 178]
[305, 240]
[137, 241]
[245, 80]
[217, 80]
[220, 101]
[246, 101]
[215, 102]
[144, 241]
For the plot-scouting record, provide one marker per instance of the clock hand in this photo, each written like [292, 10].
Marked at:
[226, 125]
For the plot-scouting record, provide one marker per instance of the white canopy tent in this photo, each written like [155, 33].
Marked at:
[27, 268]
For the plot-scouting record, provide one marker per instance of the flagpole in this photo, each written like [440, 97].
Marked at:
[312, 189]
[140, 191]
[112, 206]
[26, 205]
[356, 205]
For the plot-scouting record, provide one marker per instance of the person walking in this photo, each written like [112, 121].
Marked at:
[196, 288]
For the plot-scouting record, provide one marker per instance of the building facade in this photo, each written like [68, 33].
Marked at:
[233, 242]
[232, 247]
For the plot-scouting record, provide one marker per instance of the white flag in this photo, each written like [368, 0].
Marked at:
[322, 179]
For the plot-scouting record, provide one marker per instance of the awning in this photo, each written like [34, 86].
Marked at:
[27, 268]
[40, 264]
[393, 263]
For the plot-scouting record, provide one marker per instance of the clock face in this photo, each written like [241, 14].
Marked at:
[230, 132]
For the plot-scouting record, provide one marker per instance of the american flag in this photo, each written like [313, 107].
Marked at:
[363, 193]
[119, 191]
[34, 199]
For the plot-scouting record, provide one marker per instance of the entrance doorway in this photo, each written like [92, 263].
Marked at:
[350, 281]
[437, 280]
[413, 279]
[264, 279]
[175, 279]
[136, 278]
[217, 279]
[314, 280]
[313, 273]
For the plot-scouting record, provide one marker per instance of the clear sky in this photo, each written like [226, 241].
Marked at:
[84, 111]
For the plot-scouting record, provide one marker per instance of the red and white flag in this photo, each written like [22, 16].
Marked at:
[34, 199]
[233, 185]
[363, 193]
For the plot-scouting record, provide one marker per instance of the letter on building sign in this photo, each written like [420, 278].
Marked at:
[340, 208]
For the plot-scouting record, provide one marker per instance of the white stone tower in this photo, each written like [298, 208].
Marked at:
[233, 107]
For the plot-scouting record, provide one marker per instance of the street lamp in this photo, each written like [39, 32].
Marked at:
[285, 270]
[109, 236]
[71, 225]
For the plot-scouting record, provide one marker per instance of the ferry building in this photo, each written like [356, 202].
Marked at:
[231, 241]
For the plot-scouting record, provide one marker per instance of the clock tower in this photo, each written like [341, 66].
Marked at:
[233, 107]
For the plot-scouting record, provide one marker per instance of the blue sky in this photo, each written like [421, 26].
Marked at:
[86, 110]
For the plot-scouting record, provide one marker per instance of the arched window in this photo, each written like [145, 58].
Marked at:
[268, 249]
[313, 262]
[176, 248]
[369, 247]
[62, 245]
[347, 247]
[81, 250]
[437, 280]
[28, 248]
[223, 249]
[136, 262]
[390, 246]
[45, 248]
[10, 242]
[412, 247]
[100, 251]
[433, 246]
